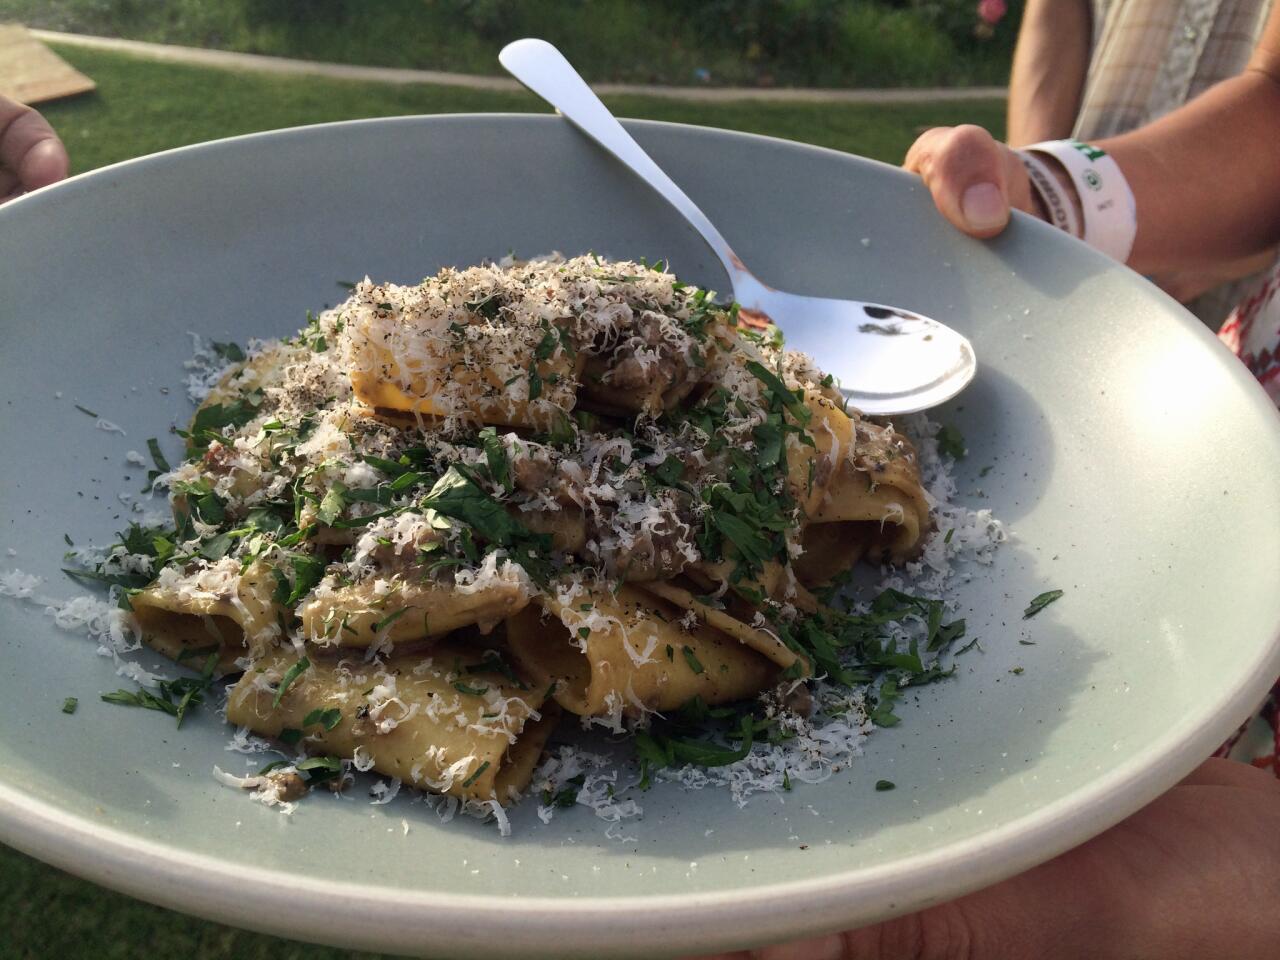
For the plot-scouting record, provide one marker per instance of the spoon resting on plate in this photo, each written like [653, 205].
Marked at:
[887, 360]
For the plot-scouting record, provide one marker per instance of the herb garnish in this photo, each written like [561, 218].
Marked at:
[389, 619]
[210, 420]
[328, 719]
[458, 496]
[476, 776]
[175, 697]
[320, 769]
[287, 680]
[497, 463]
[951, 443]
[228, 351]
[1039, 602]
[162, 465]
[307, 572]
[567, 795]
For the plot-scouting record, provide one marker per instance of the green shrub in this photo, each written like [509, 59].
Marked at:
[748, 42]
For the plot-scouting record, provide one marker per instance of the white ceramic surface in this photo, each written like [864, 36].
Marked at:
[1132, 457]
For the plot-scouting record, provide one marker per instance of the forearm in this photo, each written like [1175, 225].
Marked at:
[1049, 67]
[1206, 178]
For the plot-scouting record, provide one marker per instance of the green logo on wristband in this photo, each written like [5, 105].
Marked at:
[1093, 153]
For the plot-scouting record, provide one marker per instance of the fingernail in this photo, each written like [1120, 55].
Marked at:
[983, 207]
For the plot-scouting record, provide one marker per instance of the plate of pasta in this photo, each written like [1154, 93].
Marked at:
[458, 569]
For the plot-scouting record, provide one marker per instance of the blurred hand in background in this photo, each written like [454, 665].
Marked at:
[31, 155]
[1190, 876]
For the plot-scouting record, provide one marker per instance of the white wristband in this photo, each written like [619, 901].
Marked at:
[1110, 215]
[1061, 208]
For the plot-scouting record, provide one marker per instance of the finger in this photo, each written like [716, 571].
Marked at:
[45, 163]
[1218, 772]
[966, 171]
[1043, 914]
[818, 948]
[29, 148]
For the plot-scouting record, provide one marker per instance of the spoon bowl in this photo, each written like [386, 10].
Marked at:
[886, 360]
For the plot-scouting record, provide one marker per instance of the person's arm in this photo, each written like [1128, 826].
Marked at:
[31, 155]
[1050, 63]
[1205, 178]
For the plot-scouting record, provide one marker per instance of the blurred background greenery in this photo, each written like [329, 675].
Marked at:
[141, 107]
[834, 43]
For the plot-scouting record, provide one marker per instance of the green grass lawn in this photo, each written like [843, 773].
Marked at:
[143, 107]
[853, 43]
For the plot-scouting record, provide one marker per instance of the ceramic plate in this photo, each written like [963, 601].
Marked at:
[1132, 458]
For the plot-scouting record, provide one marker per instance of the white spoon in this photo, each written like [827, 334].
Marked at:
[886, 359]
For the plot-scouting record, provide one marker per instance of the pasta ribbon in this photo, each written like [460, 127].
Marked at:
[629, 653]
[182, 615]
[359, 616]
[580, 467]
[444, 722]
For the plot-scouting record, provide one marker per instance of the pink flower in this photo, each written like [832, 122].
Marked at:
[992, 11]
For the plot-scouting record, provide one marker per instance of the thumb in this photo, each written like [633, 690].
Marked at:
[967, 172]
[45, 163]
[29, 148]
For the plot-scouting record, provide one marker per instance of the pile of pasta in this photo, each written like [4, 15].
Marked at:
[446, 514]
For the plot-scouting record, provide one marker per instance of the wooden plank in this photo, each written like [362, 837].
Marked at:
[32, 73]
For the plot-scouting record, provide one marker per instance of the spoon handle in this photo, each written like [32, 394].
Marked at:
[544, 70]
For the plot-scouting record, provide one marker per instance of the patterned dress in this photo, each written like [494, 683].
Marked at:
[1252, 333]
[1148, 58]
[1151, 56]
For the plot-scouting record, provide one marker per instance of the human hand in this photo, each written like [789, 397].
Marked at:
[1192, 875]
[31, 155]
[974, 179]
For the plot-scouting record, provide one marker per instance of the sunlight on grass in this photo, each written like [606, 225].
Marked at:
[839, 43]
[142, 107]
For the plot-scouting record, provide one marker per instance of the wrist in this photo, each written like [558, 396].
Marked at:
[1085, 193]
[1054, 195]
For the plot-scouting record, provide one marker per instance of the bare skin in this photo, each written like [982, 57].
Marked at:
[1049, 67]
[1225, 143]
[1188, 877]
[31, 155]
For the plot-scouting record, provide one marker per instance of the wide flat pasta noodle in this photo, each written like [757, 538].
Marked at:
[359, 615]
[654, 453]
[829, 550]
[812, 469]
[411, 358]
[419, 719]
[217, 604]
[628, 654]
[882, 507]
[263, 369]
[649, 377]
[761, 641]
